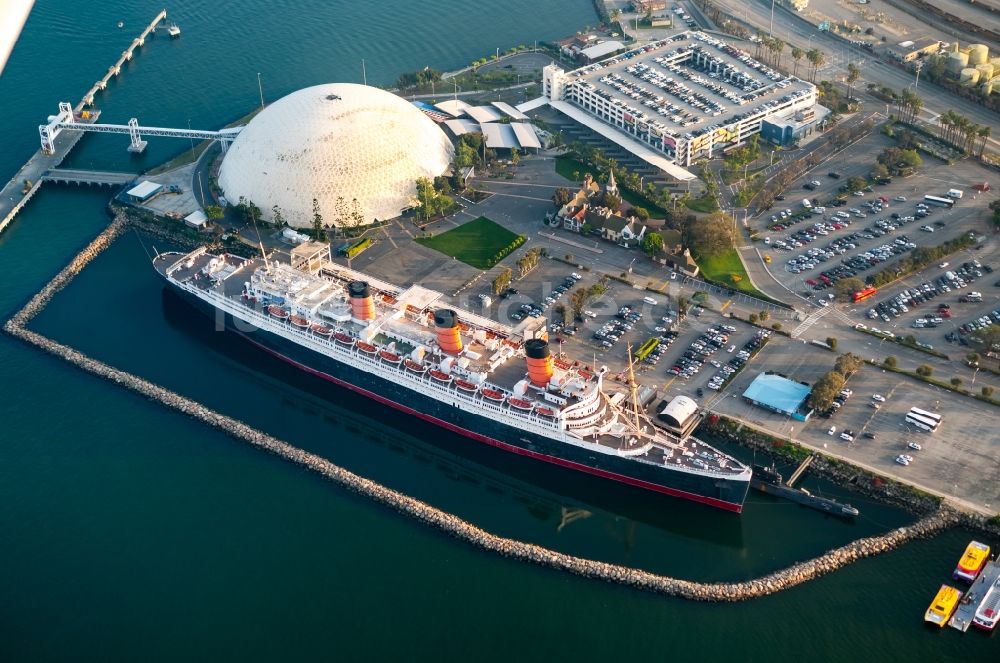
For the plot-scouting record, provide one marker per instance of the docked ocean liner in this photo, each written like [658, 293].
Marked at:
[401, 347]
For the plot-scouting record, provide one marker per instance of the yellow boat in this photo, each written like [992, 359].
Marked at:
[972, 562]
[943, 606]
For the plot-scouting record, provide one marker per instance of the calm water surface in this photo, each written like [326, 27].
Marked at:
[129, 531]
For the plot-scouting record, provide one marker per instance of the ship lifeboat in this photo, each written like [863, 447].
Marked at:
[546, 411]
[493, 394]
[439, 376]
[414, 366]
[586, 376]
[344, 338]
[521, 404]
[367, 347]
[565, 365]
[299, 321]
[389, 356]
[466, 386]
[278, 312]
[321, 330]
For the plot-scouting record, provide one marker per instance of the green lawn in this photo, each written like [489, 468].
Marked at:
[567, 165]
[475, 243]
[720, 268]
[705, 205]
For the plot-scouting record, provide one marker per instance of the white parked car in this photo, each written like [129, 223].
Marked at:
[900, 199]
[902, 460]
[590, 314]
[914, 445]
[833, 429]
[846, 437]
[878, 397]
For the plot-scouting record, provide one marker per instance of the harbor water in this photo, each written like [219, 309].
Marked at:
[129, 530]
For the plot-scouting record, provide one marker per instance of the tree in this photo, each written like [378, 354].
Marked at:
[214, 212]
[797, 54]
[561, 197]
[561, 314]
[356, 215]
[924, 370]
[776, 326]
[880, 170]
[753, 318]
[853, 74]
[502, 280]
[277, 216]
[889, 362]
[515, 157]
[640, 213]
[465, 155]
[430, 202]
[845, 288]
[652, 244]
[577, 302]
[764, 315]
[987, 391]
[816, 58]
[832, 342]
[856, 184]
[319, 233]
[711, 235]
[848, 364]
[826, 389]
[972, 359]
[956, 381]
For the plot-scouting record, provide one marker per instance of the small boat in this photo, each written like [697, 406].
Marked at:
[545, 411]
[467, 386]
[988, 612]
[438, 375]
[367, 347]
[492, 394]
[278, 312]
[521, 403]
[321, 330]
[565, 365]
[414, 366]
[299, 321]
[344, 338]
[943, 606]
[975, 556]
[121, 24]
[174, 30]
[390, 356]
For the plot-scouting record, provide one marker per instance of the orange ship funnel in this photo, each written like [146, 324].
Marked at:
[539, 361]
[446, 322]
[362, 304]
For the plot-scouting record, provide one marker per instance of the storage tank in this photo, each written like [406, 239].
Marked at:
[978, 54]
[969, 76]
[985, 71]
[957, 61]
[986, 88]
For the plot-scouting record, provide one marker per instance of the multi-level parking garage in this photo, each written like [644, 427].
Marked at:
[687, 96]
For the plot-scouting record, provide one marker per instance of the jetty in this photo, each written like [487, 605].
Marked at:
[23, 186]
[971, 600]
[799, 471]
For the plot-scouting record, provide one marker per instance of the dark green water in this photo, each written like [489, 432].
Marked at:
[130, 532]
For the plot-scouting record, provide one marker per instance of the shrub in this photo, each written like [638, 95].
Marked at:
[987, 391]
[924, 370]
[832, 342]
[776, 326]
[889, 362]
[956, 381]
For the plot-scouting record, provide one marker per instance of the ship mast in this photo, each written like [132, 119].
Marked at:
[633, 387]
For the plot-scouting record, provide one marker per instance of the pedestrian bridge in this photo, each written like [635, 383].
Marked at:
[98, 177]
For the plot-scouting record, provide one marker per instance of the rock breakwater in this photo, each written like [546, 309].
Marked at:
[441, 520]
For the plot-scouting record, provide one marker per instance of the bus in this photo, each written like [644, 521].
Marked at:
[940, 202]
[926, 425]
[862, 295]
[925, 414]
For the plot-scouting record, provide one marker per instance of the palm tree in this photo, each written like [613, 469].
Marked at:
[797, 54]
[816, 59]
[853, 74]
[777, 46]
[984, 133]
[944, 119]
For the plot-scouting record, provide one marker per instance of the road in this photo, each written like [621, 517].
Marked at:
[794, 29]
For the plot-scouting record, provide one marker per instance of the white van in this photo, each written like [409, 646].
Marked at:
[807, 204]
[955, 193]
[649, 300]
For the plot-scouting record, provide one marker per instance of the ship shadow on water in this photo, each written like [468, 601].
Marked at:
[566, 498]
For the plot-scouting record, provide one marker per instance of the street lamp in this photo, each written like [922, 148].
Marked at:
[770, 30]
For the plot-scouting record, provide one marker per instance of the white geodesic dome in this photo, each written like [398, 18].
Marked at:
[336, 143]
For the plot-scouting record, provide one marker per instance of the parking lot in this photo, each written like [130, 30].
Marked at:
[962, 458]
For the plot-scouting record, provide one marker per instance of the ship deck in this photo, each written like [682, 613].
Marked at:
[970, 601]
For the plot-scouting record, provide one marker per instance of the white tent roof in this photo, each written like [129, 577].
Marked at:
[484, 114]
[459, 127]
[499, 135]
[509, 110]
[600, 50]
[641, 150]
[525, 134]
[453, 107]
[196, 218]
[144, 188]
[531, 105]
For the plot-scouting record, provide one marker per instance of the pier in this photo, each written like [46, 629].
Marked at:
[98, 177]
[799, 471]
[116, 68]
[442, 521]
